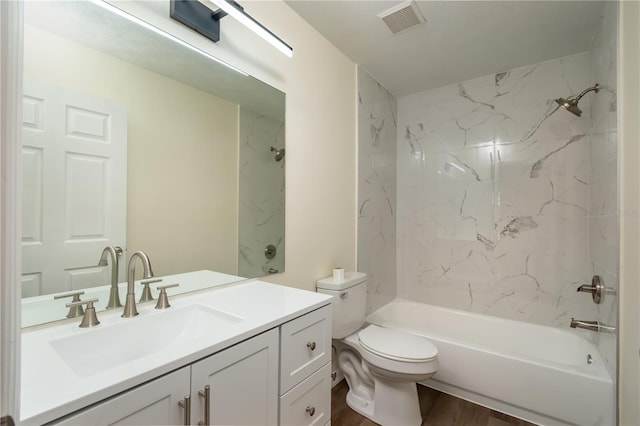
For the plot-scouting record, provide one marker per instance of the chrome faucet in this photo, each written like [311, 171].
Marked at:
[591, 325]
[130, 302]
[115, 253]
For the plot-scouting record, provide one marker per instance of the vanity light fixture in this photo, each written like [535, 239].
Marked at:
[238, 13]
[157, 30]
[203, 20]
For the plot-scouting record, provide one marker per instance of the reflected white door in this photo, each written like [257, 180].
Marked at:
[74, 187]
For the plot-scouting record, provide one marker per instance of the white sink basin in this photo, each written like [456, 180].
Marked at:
[98, 349]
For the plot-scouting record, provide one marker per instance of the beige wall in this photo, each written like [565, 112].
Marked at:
[320, 83]
[182, 154]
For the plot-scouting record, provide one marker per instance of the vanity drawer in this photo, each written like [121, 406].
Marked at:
[309, 403]
[305, 346]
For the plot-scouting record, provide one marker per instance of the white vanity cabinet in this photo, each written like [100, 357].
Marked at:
[265, 361]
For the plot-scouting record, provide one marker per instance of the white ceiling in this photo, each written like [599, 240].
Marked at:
[460, 40]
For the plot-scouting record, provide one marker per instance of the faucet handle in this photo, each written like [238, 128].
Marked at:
[146, 291]
[75, 310]
[597, 289]
[90, 318]
[163, 298]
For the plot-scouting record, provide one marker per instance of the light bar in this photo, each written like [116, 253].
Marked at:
[254, 26]
[165, 34]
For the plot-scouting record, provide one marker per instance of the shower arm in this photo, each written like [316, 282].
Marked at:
[595, 88]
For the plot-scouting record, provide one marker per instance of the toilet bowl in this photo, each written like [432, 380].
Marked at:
[383, 389]
[381, 365]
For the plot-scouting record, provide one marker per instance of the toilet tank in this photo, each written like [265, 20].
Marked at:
[349, 302]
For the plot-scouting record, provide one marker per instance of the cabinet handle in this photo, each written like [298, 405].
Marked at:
[311, 411]
[206, 394]
[311, 345]
[186, 404]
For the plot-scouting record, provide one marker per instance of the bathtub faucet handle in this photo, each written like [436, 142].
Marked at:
[596, 289]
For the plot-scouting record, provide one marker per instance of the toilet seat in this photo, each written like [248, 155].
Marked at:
[397, 345]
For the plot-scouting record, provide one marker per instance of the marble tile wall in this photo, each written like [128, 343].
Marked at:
[261, 194]
[493, 195]
[377, 128]
[603, 206]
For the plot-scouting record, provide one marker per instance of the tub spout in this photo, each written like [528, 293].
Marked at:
[591, 325]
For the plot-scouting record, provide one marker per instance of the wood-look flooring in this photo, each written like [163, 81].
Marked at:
[437, 409]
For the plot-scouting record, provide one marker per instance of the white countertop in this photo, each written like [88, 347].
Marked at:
[50, 388]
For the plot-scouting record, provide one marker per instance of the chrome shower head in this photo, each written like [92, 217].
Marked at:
[571, 103]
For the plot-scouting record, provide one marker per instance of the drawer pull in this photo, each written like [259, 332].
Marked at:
[311, 411]
[186, 404]
[311, 345]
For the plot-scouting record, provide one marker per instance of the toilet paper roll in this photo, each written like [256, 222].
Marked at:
[338, 274]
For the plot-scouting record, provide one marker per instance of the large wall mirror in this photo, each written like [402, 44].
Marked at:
[132, 139]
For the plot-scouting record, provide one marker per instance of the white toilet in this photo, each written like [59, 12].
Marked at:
[381, 365]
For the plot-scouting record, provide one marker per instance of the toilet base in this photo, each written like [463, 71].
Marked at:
[361, 406]
[395, 403]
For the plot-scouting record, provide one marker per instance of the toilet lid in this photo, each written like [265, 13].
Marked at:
[396, 344]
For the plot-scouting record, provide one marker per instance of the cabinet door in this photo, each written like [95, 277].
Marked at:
[243, 383]
[154, 403]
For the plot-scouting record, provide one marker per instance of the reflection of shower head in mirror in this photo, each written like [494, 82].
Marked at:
[279, 153]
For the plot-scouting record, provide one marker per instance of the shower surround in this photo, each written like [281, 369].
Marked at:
[499, 202]
[493, 195]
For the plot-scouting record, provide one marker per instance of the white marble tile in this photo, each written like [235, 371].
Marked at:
[377, 131]
[493, 194]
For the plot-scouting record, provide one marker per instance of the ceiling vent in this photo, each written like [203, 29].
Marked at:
[402, 17]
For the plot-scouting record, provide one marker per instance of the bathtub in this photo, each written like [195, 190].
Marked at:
[537, 373]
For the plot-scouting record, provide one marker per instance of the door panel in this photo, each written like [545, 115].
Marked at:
[74, 192]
